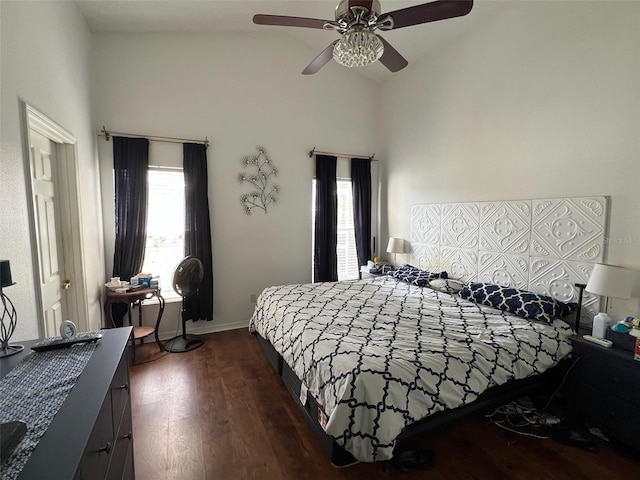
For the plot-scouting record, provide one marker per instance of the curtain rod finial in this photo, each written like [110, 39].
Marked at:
[311, 152]
[107, 136]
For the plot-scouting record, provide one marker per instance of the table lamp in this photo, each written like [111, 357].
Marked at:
[395, 246]
[9, 316]
[608, 281]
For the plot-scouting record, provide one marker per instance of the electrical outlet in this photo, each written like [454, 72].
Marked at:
[253, 297]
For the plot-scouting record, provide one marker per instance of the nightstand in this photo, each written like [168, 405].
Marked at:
[364, 273]
[606, 392]
[131, 298]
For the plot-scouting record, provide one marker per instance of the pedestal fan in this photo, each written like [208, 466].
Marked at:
[187, 278]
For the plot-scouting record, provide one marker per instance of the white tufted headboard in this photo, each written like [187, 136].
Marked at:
[544, 246]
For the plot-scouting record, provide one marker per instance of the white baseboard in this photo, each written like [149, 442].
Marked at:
[202, 327]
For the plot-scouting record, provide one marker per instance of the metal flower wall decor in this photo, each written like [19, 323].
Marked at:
[258, 170]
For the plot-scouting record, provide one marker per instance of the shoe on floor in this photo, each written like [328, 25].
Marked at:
[573, 438]
[411, 460]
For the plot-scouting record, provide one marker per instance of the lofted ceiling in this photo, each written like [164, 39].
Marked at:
[210, 16]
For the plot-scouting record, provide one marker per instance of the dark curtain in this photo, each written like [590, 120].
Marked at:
[130, 167]
[361, 190]
[325, 259]
[197, 234]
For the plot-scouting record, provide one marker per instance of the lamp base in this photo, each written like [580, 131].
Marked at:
[9, 350]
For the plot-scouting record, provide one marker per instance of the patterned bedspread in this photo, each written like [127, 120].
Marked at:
[380, 354]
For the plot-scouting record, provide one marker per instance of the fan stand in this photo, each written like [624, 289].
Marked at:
[184, 342]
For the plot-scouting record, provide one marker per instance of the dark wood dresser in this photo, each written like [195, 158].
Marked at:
[90, 437]
[606, 391]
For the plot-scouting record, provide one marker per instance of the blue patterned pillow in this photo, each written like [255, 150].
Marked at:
[518, 302]
[415, 276]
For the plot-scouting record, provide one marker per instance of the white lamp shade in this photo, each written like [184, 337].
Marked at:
[396, 245]
[611, 281]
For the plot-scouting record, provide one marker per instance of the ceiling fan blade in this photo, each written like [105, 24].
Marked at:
[284, 21]
[429, 12]
[391, 58]
[320, 61]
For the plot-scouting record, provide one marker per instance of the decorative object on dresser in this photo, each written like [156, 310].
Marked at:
[395, 246]
[9, 316]
[609, 281]
[68, 329]
[186, 282]
[265, 192]
[606, 390]
[89, 436]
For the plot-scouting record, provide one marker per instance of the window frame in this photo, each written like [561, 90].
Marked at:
[343, 172]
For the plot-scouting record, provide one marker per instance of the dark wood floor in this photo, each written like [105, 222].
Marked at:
[220, 412]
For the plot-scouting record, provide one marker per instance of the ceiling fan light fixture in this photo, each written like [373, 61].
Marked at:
[356, 20]
[357, 48]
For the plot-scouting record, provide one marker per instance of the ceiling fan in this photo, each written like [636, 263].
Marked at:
[356, 22]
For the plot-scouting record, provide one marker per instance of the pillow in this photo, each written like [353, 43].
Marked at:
[415, 276]
[446, 285]
[518, 302]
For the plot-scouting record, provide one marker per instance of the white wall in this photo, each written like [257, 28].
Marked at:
[541, 102]
[45, 62]
[240, 91]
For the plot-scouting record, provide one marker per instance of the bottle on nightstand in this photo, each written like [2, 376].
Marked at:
[600, 324]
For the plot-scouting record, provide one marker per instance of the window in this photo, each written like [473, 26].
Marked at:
[348, 268]
[165, 226]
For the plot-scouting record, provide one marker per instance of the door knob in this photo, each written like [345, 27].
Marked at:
[66, 284]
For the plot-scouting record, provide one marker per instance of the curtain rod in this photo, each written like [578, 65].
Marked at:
[107, 135]
[313, 151]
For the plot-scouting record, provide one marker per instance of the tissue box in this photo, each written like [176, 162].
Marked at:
[144, 279]
[623, 341]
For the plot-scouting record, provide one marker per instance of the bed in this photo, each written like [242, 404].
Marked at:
[374, 362]
[379, 355]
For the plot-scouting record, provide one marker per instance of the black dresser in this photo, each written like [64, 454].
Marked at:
[606, 392]
[90, 437]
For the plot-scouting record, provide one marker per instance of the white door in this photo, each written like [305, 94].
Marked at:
[50, 265]
[56, 225]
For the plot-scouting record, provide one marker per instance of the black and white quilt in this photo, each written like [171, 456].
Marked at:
[380, 354]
